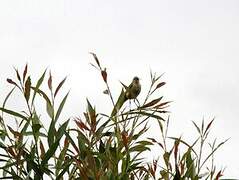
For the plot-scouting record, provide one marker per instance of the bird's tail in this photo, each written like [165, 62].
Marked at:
[121, 99]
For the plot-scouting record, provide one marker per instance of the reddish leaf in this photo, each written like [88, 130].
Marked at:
[163, 111]
[152, 172]
[24, 73]
[11, 82]
[176, 144]
[42, 150]
[182, 163]
[153, 102]
[27, 88]
[81, 125]
[219, 174]
[124, 135]
[104, 75]
[160, 85]
[10, 151]
[59, 86]
[50, 81]
[162, 104]
[209, 125]
[66, 143]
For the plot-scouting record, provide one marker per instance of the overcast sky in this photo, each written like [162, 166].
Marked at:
[194, 42]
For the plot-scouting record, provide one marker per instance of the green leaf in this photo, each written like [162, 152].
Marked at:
[190, 146]
[101, 147]
[52, 149]
[213, 151]
[16, 114]
[51, 133]
[31, 165]
[147, 114]
[139, 148]
[72, 142]
[190, 173]
[30, 133]
[35, 129]
[36, 126]
[61, 107]
[198, 129]
[177, 176]
[61, 158]
[7, 97]
[145, 143]
[39, 82]
[90, 109]
[166, 157]
[65, 169]
[49, 107]
[62, 129]
[24, 129]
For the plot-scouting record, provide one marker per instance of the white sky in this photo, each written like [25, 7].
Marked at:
[194, 42]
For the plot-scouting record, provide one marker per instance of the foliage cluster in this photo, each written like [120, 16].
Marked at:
[98, 146]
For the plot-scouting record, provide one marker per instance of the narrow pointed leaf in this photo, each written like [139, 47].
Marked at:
[59, 86]
[61, 107]
[162, 104]
[153, 102]
[49, 82]
[104, 75]
[39, 82]
[12, 82]
[96, 59]
[52, 149]
[7, 97]
[24, 73]
[42, 149]
[209, 125]
[27, 88]
[16, 114]
[18, 76]
[49, 106]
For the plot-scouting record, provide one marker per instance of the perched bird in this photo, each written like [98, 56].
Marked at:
[131, 92]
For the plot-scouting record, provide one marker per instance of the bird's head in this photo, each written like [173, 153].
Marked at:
[136, 79]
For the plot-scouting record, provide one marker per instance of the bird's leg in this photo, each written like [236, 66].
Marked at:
[129, 105]
[137, 104]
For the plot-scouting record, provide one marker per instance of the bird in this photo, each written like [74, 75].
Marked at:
[131, 92]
